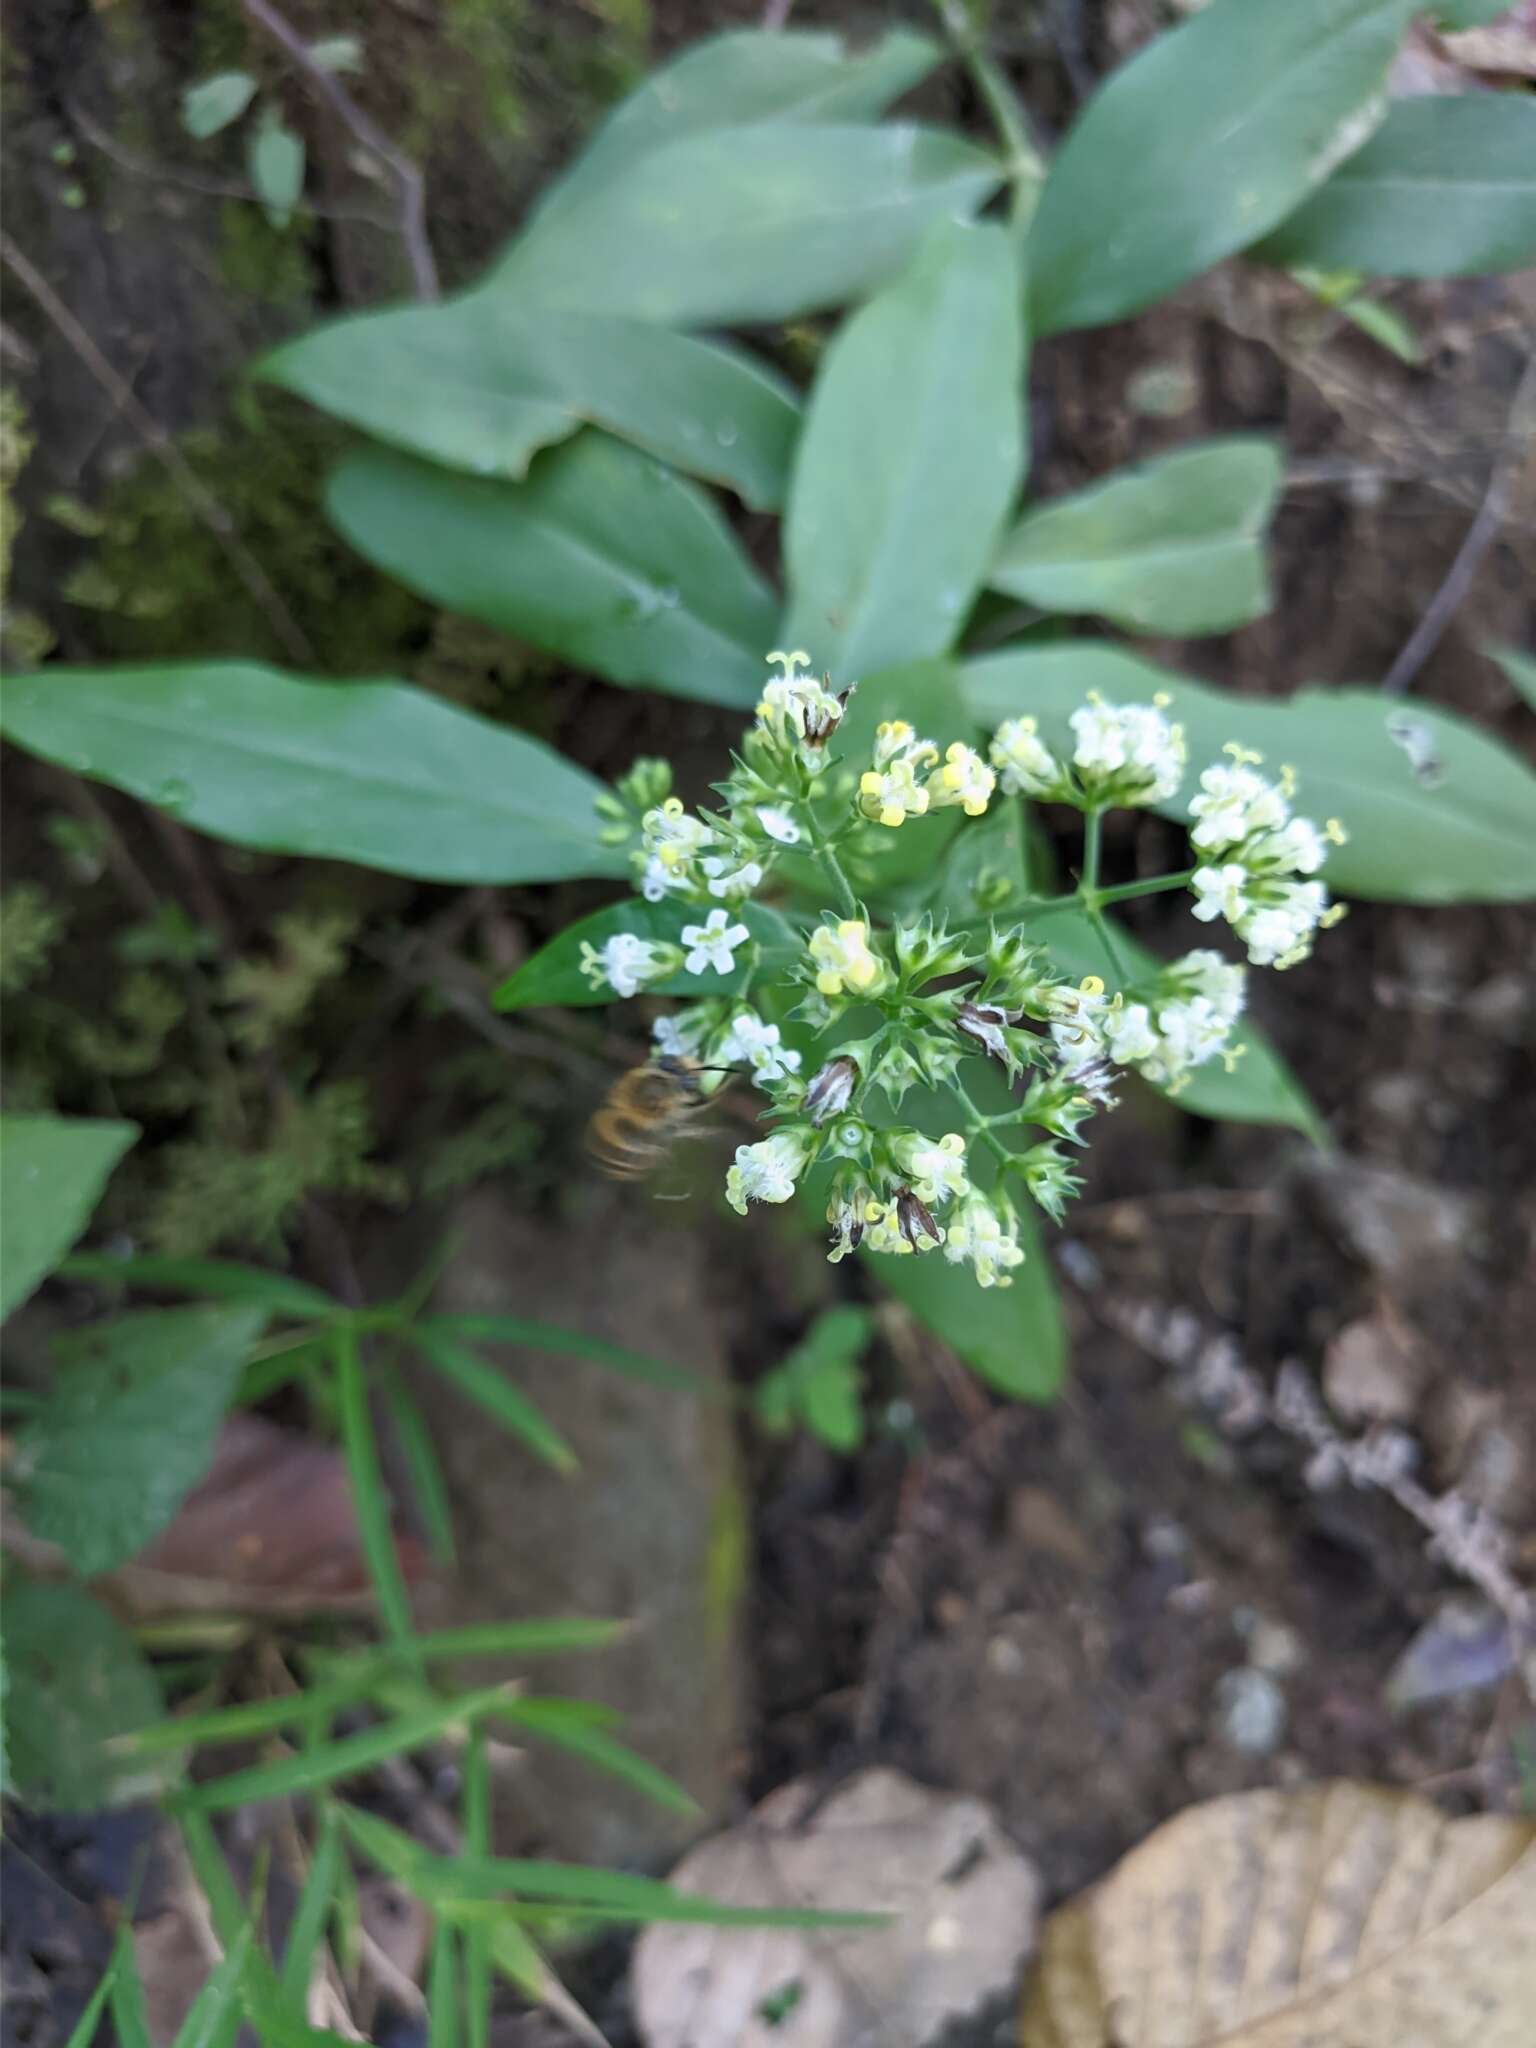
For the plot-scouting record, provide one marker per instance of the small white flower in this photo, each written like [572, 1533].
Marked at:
[1129, 751]
[713, 943]
[964, 779]
[892, 794]
[655, 880]
[778, 825]
[1191, 1032]
[1128, 1034]
[798, 710]
[756, 1044]
[1221, 892]
[731, 883]
[935, 1169]
[1222, 982]
[1278, 931]
[843, 959]
[1233, 803]
[1026, 765]
[625, 962]
[976, 1232]
[1296, 849]
[673, 834]
[767, 1172]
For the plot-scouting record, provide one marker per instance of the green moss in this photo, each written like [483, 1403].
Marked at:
[263, 262]
[271, 995]
[160, 586]
[214, 1194]
[31, 926]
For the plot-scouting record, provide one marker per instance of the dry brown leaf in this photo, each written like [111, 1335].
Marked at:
[1338, 1916]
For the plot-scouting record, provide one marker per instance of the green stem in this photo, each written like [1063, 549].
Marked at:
[1025, 170]
[979, 1125]
[832, 868]
[1093, 826]
[1122, 892]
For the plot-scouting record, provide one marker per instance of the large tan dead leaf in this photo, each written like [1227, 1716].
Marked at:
[963, 1903]
[1338, 1916]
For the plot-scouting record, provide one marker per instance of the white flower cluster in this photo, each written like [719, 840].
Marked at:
[626, 963]
[1255, 851]
[1125, 754]
[1186, 1020]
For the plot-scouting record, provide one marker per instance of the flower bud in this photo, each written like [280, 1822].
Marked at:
[830, 1089]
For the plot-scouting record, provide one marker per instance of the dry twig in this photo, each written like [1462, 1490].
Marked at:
[155, 437]
[1480, 537]
[410, 191]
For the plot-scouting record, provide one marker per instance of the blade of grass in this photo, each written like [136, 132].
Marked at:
[552, 1721]
[84, 2030]
[475, 1816]
[328, 1762]
[128, 1996]
[426, 1474]
[632, 1365]
[250, 1717]
[443, 1988]
[458, 1884]
[492, 1639]
[369, 1501]
[211, 1872]
[309, 1916]
[496, 1395]
[215, 2012]
[216, 1279]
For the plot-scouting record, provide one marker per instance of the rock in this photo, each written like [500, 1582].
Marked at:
[1250, 1711]
[1274, 1648]
[1406, 1230]
[965, 1902]
[1464, 1647]
[1373, 1373]
[650, 1528]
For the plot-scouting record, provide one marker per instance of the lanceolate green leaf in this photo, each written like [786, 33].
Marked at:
[218, 1279]
[747, 224]
[1260, 1089]
[1520, 669]
[912, 450]
[553, 977]
[480, 385]
[1012, 1337]
[492, 1390]
[372, 772]
[1446, 187]
[1436, 811]
[1201, 144]
[602, 556]
[742, 76]
[52, 1172]
[133, 1408]
[1173, 546]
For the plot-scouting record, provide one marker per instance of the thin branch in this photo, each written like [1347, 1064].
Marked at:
[209, 188]
[1480, 537]
[148, 428]
[410, 191]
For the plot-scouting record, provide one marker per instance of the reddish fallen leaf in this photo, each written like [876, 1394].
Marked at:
[270, 1530]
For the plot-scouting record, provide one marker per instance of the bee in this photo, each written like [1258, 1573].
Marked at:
[644, 1113]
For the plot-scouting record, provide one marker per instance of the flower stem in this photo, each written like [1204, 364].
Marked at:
[1122, 892]
[1025, 170]
[1092, 831]
[832, 868]
[979, 1124]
